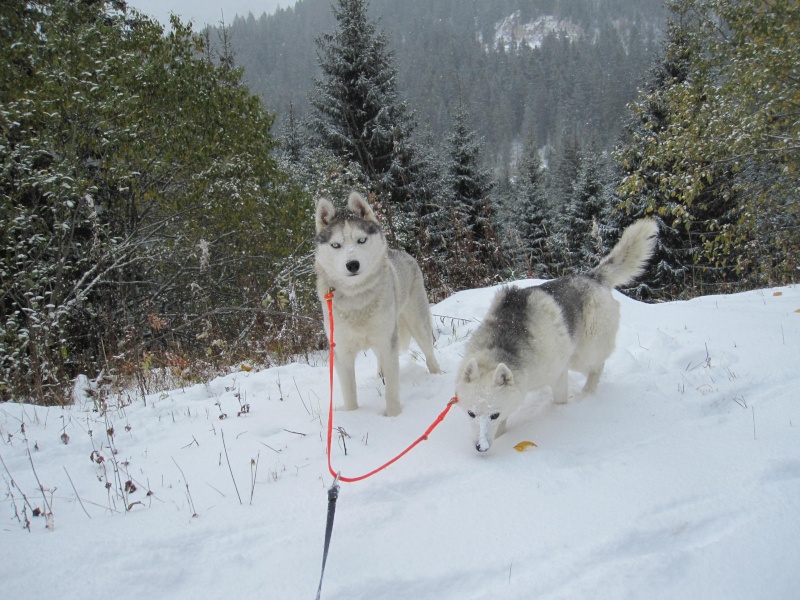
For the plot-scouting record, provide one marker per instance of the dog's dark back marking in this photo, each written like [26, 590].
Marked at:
[569, 293]
[509, 336]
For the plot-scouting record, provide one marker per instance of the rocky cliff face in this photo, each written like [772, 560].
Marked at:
[511, 33]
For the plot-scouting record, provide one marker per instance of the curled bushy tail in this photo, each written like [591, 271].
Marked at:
[628, 258]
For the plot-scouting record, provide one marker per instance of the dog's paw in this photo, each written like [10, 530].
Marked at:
[393, 410]
[434, 368]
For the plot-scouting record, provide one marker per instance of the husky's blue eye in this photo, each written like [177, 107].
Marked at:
[471, 414]
[336, 245]
[362, 240]
[494, 416]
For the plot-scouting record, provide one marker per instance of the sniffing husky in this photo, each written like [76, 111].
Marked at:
[379, 300]
[530, 337]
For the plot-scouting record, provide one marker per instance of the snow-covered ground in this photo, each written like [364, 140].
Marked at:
[680, 478]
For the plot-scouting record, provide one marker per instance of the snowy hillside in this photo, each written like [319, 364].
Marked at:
[680, 478]
[512, 32]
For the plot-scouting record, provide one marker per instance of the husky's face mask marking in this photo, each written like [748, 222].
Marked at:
[345, 239]
[347, 247]
[488, 397]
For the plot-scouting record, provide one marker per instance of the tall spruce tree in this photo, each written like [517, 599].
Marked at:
[530, 227]
[472, 237]
[585, 211]
[561, 176]
[358, 115]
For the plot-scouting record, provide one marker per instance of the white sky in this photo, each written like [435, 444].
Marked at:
[203, 12]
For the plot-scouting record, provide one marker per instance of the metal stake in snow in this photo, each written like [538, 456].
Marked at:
[333, 494]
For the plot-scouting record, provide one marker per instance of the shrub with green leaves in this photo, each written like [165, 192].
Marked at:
[141, 206]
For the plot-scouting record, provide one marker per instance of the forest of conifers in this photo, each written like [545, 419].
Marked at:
[158, 186]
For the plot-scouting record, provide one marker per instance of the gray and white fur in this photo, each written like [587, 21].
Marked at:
[379, 299]
[531, 337]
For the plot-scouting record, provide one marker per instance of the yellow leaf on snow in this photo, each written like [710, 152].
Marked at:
[246, 367]
[522, 446]
[777, 293]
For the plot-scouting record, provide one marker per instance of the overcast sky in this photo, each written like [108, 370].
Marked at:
[203, 12]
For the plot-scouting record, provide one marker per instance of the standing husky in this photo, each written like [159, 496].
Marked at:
[379, 300]
[531, 337]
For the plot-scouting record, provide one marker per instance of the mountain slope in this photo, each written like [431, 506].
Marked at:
[583, 68]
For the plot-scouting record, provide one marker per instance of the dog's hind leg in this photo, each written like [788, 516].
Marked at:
[425, 342]
[389, 362]
[346, 372]
[419, 326]
[592, 379]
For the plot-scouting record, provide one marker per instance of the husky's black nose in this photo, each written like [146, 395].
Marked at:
[353, 266]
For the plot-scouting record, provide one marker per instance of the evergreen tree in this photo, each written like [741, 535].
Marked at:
[471, 239]
[357, 111]
[292, 140]
[565, 163]
[434, 211]
[530, 226]
[469, 182]
[585, 212]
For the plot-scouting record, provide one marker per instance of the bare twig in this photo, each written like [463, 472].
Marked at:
[13, 484]
[186, 482]
[194, 441]
[216, 490]
[49, 515]
[342, 435]
[76, 492]
[224, 447]
[301, 395]
[253, 475]
[123, 493]
[270, 447]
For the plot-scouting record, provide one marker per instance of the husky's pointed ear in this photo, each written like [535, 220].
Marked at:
[503, 375]
[357, 204]
[471, 371]
[324, 213]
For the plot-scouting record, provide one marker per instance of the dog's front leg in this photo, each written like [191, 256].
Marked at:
[346, 372]
[501, 428]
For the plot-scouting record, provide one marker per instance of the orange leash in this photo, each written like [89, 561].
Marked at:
[424, 436]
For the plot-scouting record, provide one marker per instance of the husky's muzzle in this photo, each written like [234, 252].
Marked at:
[484, 440]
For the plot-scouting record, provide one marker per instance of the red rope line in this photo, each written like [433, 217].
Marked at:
[423, 437]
